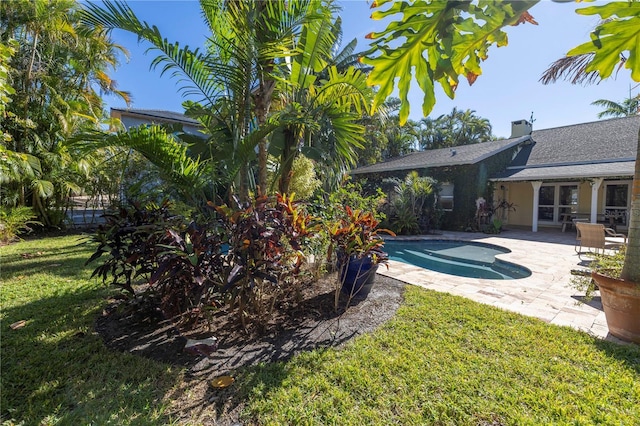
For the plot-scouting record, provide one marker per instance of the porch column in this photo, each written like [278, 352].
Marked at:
[595, 185]
[536, 202]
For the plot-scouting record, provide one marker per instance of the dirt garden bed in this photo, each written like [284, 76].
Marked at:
[292, 328]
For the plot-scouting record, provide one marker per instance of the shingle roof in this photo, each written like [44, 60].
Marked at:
[157, 113]
[464, 154]
[605, 140]
[616, 169]
[596, 149]
[604, 148]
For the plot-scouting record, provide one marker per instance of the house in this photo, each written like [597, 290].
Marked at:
[551, 176]
[135, 117]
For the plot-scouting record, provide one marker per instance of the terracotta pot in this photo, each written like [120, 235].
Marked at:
[621, 303]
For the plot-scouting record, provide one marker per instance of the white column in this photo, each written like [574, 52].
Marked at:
[536, 203]
[595, 185]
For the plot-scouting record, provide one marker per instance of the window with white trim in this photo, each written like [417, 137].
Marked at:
[556, 200]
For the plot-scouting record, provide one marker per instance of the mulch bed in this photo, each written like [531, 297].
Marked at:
[291, 328]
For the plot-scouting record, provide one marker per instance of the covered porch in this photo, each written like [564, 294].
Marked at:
[557, 197]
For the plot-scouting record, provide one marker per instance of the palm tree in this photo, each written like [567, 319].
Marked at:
[318, 115]
[454, 129]
[56, 72]
[324, 150]
[628, 107]
[234, 76]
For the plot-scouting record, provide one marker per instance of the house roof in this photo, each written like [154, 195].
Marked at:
[616, 169]
[459, 155]
[605, 148]
[162, 115]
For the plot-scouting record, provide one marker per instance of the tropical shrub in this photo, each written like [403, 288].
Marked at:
[265, 253]
[356, 242]
[489, 215]
[352, 194]
[246, 258]
[411, 207]
[357, 234]
[14, 221]
[129, 240]
[191, 272]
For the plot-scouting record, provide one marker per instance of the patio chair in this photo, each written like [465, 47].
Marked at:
[596, 236]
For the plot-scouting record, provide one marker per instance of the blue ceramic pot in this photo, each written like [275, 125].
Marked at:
[357, 275]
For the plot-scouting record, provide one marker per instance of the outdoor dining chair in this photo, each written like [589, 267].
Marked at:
[596, 236]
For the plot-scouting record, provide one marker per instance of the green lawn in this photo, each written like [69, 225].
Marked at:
[442, 360]
[56, 370]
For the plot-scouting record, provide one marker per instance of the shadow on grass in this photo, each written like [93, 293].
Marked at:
[56, 369]
[626, 352]
[28, 260]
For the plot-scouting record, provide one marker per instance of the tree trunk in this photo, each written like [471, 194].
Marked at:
[286, 161]
[262, 102]
[243, 185]
[631, 269]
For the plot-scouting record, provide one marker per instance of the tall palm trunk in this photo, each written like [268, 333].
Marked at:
[262, 101]
[631, 269]
[286, 160]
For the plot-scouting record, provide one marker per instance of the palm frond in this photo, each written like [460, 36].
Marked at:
[572, 69]
[190, 65]
[161, 149]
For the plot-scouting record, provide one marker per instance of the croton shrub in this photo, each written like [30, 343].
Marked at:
[243, 259]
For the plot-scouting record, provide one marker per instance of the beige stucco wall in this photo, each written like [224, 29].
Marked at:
[521, 195]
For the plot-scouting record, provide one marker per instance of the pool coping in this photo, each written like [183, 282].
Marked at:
[545, 294]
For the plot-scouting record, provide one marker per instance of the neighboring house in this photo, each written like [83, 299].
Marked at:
[136, 117]
[550, 176]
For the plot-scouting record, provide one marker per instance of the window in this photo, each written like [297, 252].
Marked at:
[616, 202]
[555, 200]
[545, 206]
[445, 198]
[568, 200]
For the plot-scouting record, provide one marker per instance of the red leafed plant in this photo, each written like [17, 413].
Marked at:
[357, 234]
[265, 251]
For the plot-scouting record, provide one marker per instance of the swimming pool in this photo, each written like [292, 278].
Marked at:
[460, 258]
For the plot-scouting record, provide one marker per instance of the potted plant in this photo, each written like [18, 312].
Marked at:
[358, 246]
[620, 298]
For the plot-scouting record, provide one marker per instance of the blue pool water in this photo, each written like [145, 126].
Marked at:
[460, 258]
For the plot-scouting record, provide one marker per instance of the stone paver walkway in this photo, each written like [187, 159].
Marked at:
[546, 294]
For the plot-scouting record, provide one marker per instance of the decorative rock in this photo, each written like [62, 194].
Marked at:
[201, 346]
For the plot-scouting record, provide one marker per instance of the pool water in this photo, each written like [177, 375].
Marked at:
[460, 258]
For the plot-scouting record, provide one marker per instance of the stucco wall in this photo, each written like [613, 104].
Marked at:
[521, 195]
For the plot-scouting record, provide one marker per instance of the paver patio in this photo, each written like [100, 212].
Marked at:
[546, 294]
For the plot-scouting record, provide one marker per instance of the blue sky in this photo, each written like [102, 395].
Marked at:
[508, 90]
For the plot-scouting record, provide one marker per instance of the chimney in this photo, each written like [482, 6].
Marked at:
[520, 128]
